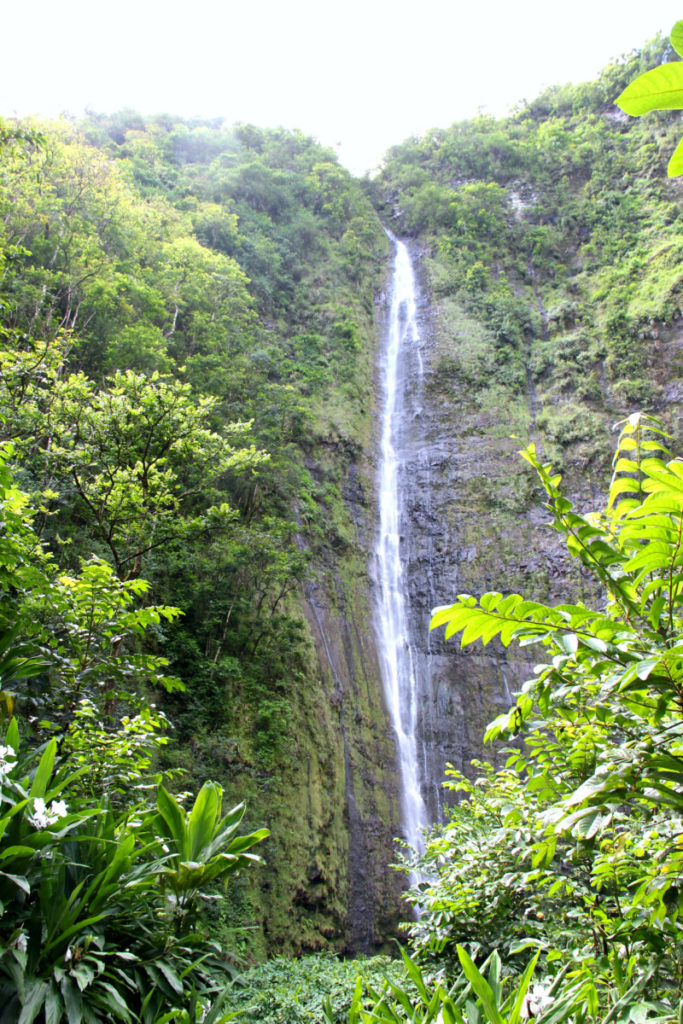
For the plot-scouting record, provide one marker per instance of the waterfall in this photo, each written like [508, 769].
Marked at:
[396, 656]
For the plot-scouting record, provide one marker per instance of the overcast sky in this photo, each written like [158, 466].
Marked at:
[359, 75]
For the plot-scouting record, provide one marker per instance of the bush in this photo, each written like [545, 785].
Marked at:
[100, 883]
[296, 991]
[98, 911]
[576, 846]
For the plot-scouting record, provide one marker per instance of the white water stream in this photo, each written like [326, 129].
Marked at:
[392, 625]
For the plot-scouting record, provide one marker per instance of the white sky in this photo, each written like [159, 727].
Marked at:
[359, 75]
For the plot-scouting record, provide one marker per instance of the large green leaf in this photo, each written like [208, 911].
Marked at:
[44, 771]
[522, 988]
[175, 820]
[53, 1005]
[415, 975]
[675, 166]
[242, 843]
[480, 986]
[170, 976]
[676, 38]
[12, 735]
[658, 89]
[72, 1000]
[115, 1002]
[33, 1003]
[203, 818]
[19, 880]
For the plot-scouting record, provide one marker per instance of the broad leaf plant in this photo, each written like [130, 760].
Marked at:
[659, 89]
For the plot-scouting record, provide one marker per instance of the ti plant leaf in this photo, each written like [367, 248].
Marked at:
[203, 844]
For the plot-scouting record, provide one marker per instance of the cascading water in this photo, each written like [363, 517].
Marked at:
[396, 657]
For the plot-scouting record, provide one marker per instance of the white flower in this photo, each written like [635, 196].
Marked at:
[57, 810]
[5, 766]
[42, 817]
[537, 1000]
[68, 955]
[39, 816]
[21, 942]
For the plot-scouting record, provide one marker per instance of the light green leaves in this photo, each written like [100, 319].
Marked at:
[136, 451]
[503, 616]
[44, 771]
[676, 162]
[676, 38]
[203, 845]
[659, 89]
[477, 995]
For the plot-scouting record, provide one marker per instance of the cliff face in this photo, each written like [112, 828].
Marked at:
[343, 796]
[448, 545]
[550, 310]
[470, 522]
[473, 521]
[334, 811]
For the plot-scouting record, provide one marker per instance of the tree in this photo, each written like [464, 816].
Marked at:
[141, 460]
[87, 932]
[67, 637]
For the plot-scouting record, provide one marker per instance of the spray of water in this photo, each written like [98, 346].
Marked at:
[392, 626]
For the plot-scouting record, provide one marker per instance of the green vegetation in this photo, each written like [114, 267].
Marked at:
[301, 991]
[552, 240]
[473, 996]
[91, 844]
[188, 328]
[188, 336]
[574, 848]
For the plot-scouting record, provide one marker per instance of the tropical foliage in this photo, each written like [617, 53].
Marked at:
[575, 847]
[472, 997]
[88, 928]
[186, 309]
[87, 932]
[304, 990]
[187, 318]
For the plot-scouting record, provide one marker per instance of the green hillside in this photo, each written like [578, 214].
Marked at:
[191, 320]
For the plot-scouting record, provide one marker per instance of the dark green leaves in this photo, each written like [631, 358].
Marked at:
[590, 811]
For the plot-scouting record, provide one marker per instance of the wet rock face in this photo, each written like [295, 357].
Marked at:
[366, 814]
[346, 893]
[471, 521]
[453, 542]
